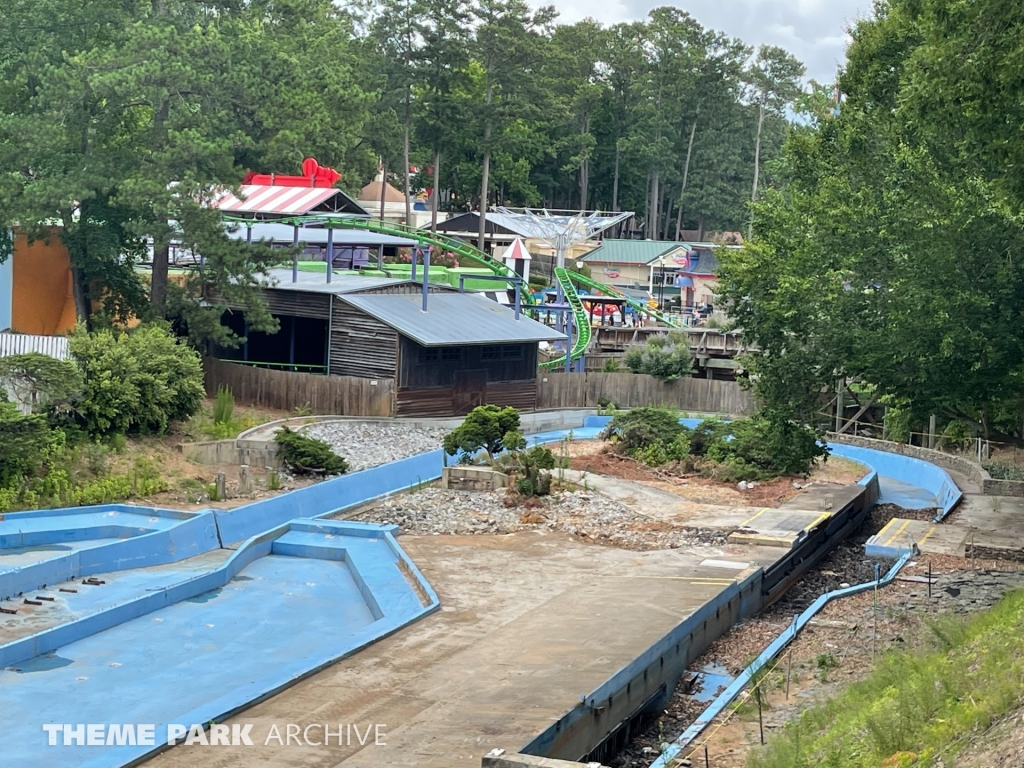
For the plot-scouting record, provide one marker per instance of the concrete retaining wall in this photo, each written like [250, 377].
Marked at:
[255, 453]
[472, 479]
[650, 678]
[993, 487]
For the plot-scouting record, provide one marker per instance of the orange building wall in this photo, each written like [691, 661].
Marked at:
[42, 301]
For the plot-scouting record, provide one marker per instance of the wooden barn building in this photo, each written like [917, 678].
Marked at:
[464, 350]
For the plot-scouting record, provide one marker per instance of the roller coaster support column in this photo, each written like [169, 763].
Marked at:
[560, 264]
[519, 297]
[415, 253]
[330, 253]
[426, 276]
[295, 253]
[568, 342]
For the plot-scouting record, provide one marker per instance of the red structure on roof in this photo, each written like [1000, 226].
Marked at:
[312, 176]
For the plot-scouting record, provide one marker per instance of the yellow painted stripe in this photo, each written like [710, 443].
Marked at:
[693, 579]
[925, 537]
[886, 527]
[745, 523]
[898, 532]
[819, 518]
[713, 582]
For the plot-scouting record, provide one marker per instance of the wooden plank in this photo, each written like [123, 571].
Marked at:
[287, 391]
[628, 390]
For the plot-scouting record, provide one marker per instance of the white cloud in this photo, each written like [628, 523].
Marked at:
[812, 30]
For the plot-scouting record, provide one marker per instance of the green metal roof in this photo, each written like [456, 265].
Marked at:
[631, 251]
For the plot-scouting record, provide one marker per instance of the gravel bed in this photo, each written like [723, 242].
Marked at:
[590, 516]
[365, 445]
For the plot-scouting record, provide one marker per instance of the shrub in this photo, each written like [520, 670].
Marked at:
[645, 426]
[484, 428]
[308, 455]
[1004, 470]
[24, 439]
[611, 365]
[665, 356]
[140, 381]
[768, 446]
[49, 386]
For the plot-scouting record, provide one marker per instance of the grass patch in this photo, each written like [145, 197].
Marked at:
[915, 709]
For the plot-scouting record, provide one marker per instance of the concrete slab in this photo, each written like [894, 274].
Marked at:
[529, 623]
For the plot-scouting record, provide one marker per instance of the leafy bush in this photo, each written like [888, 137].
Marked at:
[24, 440]
[49, 386]
[766, 446]
[484, 428]
[642, 427]
[308, 455]
[1004, 470]
[611, 365]
[665, 356]
[139, 381]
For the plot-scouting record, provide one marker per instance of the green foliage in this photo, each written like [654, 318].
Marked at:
[850, 271]
[766, 446]
[140, 381]
[642, 427]
[223, 406]
[918, 705]
[535, 481]
[49, 386]
[23, 444]
[484, 428]
[665, 356]
[611, 365]
[755, 448]
[1004, 470]
[308, 455]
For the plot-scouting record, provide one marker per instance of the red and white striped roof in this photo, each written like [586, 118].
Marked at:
[517, 251]
[264, 198]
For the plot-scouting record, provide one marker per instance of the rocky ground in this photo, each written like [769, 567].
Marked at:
[364, 445]
[590, 516]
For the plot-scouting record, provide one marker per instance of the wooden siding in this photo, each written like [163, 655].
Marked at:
[342, 395]
[631, 390]
[445, 373]
[450, 401]
[361, 345]
[293, 303]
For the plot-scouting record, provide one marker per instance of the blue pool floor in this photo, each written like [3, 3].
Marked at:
[118, 587]
[166, 666]
[893, 491]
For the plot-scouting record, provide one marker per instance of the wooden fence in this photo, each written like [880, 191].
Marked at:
[632, 390]
[287, 391]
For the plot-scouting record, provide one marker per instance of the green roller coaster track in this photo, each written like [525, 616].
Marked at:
[464, 250]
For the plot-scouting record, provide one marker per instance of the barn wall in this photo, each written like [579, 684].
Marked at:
[361, 345]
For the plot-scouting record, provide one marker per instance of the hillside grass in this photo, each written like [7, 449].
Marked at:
[915, 709]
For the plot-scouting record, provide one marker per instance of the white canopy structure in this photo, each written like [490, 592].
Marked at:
[562, 229]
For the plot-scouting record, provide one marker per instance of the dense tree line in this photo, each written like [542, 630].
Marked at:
[118, 117]
[891, 251]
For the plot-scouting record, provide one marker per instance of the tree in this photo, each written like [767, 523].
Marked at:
[485, 428]
[665, 356]
[443, 59]
[773, 82]
[883, 254]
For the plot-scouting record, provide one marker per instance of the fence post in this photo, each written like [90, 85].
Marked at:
[931, 431]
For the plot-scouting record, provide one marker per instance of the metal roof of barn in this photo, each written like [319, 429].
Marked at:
[452, 319]
[316, 282]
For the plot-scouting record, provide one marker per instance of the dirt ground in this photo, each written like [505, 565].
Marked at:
[189, 483]
[595, 456]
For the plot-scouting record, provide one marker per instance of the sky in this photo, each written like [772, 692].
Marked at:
[812, 30]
